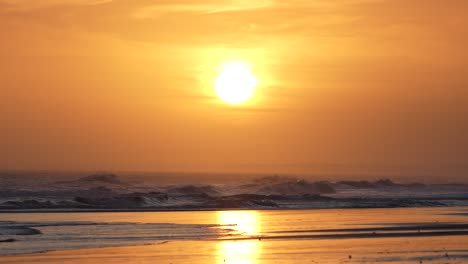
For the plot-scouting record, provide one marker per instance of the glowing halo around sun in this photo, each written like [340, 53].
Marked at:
[235, 84]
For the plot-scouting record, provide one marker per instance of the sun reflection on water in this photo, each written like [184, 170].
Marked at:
[243, 251]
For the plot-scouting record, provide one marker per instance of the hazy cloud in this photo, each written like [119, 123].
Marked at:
[344, 82]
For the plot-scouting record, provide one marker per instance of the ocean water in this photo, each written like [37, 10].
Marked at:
[100, 192]
[244, 236]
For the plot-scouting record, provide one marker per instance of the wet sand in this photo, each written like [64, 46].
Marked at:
[408, 235]
[376, 250]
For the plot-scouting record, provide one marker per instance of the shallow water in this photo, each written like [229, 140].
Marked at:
[404, 235]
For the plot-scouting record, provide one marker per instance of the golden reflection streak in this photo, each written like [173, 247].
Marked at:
[239, 252]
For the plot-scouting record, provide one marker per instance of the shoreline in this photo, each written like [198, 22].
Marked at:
[327, 236]
[210, 251]
[210, 209]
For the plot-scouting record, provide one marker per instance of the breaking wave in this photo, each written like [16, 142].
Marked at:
[111, 192]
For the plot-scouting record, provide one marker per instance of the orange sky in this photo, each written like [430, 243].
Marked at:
[345, 86]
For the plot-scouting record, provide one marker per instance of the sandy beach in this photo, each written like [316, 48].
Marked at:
[404, 235]
[394, 250]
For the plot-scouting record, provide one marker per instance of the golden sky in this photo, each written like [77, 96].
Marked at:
[344, 86]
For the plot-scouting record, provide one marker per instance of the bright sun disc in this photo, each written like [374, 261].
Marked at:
[235, 84]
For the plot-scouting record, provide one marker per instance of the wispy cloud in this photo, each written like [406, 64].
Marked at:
[24, 5]
[200, 7]
[45, 3]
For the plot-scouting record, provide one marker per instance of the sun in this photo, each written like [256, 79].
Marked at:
[235, 84]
